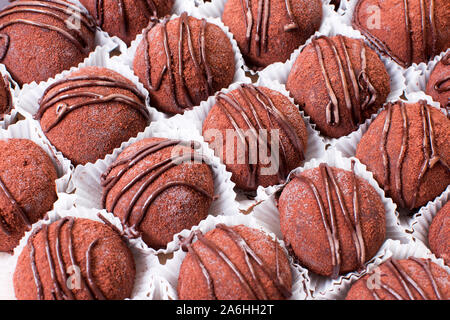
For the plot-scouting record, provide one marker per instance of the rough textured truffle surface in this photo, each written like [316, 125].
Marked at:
[27, 189]
[126, 18]
[339, 82]
[38, 40]
[105, 265]
[276, 28]
[408, 160]
[204, 275]
[422, 27]
[259, 108]
[389, 284]
[5, 97]
[157, 197]
[304, 230]
[438, 86]
[207, 62]
[91, 112]
[439, 234]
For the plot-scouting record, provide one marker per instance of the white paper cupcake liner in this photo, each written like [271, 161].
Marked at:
[14, 89]
[215, 9]
[239, 75]
[267, 213]
[30, 95]
[391, 249]
[280, 72]
[89, 190]
[417, 77]
[421, 221]
[167, 275]
[144, 263]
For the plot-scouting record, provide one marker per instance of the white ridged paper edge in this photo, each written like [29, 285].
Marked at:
[280, 71]
[10, 118]
[421, 221]
[215, 8]
[62, 209]
[239, 75]
[166, 276]
[197, 116]
[89, 191]
[391, 249]
[267, 214]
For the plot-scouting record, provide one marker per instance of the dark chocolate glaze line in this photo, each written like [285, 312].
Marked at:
[207, 74]
[357, 218]
[330, 231]
[137, 103]
[365, 92]
[262, 23]
[428, 146]
[150, 9]
[383, 148]
[90, 278]
[150, 176]
[402, 155]
[407, 282]
[249, 253]
[61, 291]
[16, 206]
[439, 86]
[409, 40]
[47, 8]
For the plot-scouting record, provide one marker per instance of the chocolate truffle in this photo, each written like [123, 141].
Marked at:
[439, 234]
[269, 31]
[74, 259]
[407, 148]
[234, 263]
[5, 97]
[126, 18]
[39, 39]
[408, 31]
[438, 86]
[333, 220]
[188, 61]
[157, 191]
[408, 279]
[27, 189]
[91, 112]
[339, 82]
[270, 131]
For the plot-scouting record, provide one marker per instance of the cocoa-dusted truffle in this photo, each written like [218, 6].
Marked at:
[408, 31]
[27, 189]
[269, 31]
[180, 77]
[234, 263]
[261, 119]
[5, 97]
[407, 148]
[126, 18]
[408, 279]
[333, 220]
[339, 82]
[91, 112]
[74, 259]
[157, 191]
[438, 86]
[39, 39]
[439, 234]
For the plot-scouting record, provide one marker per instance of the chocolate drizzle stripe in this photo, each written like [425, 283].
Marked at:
[383, 147]
[439, 86]
[68, 295]
[16, 206]
[360, 245]
[37, 278]
[409, 40]
[100, 13]
[332, 109]
[56, 291]
[98, 293]
[293, 24]
[402, 155]
[334, 247]
[161, 167]
[47, 8]
[207, 76]
[427, 269]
